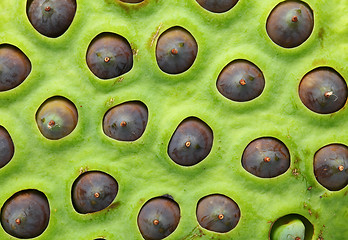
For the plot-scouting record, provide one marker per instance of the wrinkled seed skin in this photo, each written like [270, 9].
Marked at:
[89, 183]
[316, 83]
[200, 136]
[114, 47]
[217, 6]
[210, 207]
[326, 166]
[135, 115]
[257, 150]
[283, 31]
[14, 67]
[32, 208]
[55, 22]
[181, 40]
[228, 82]
[6, 147]
[60, 110]
[163, 209]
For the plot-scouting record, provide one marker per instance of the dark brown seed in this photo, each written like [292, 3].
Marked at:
[56, 118]
[93, 191]
[26, 214]
[266, 157]
[218, 213]
[158, 218]
[6, 147]
[51, 18]
[323, 90]
[217, 6]
[14, 67]
[176, 50]
[126, 122]
[290, 23]
[241, 81]
[191, 142]
[109, 55]
[331, 166]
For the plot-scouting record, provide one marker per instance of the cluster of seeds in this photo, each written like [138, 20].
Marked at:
[323, 90]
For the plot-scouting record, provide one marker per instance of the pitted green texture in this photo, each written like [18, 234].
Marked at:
[142, 168]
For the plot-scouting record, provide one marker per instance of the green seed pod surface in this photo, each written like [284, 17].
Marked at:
[143, 168]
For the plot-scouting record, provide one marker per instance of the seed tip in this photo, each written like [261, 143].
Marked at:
[221, 216]
[188, 144]
[242, 82]
[123, 124]
[48, 8]
[267, 159]
[106, 59]
[294, 19]
[155, 222]
[341, 168]
[174, 51]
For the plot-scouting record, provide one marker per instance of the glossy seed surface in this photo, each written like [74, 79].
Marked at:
[6, 147]
[14, 67]
[266, 157]
[290, 23]
[158, 218]
[241, 81]
[176, 50]
[109, 55]
[56, 118]
[26, 214]
[93, 191]
[126, 122]
[191, 142]
[217, 213]
[217, 6]
[331, 166]
[51, 18]
[323, 90]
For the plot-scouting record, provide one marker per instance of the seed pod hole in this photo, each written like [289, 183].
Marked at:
[109, 55]
[26, 214]
[217, 213]
[191, 142]
[331, 166]
[6, 147]
[292, 226]
[176, 50]
[240, 81]
[158, 218]
[217, 6]
[290, 23]
[51, 18]
[56, 118]
[126, 121]
[266, 157]
[93, 191]
[323, 90]
[14, 67]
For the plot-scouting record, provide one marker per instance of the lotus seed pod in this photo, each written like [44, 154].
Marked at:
[93, 191]
[290, 24]
[14, 67]
[56, 118]
[51, 17]
[158, 218]
[26, 214]
[176, 50]
[235, 102]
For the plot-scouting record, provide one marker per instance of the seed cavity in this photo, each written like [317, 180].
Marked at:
[221, 216]
[155, 222]
[341, 168]
[48, 8]
[242, 82]
[294, 19]
[267, 159]
[18, 221]
[174, 51]
[188, 144]
[97, 195]
[106, 59]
